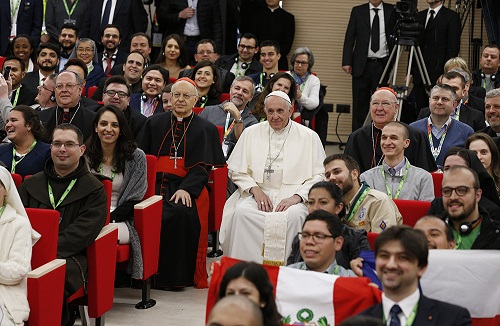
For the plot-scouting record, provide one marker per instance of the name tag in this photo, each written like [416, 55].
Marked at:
[70, 21]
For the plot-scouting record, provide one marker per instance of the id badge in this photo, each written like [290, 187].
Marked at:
[70, 21]
[157, 40]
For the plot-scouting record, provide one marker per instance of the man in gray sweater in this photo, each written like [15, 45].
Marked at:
[396, 176]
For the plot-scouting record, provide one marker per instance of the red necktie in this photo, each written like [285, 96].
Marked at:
[108, 67]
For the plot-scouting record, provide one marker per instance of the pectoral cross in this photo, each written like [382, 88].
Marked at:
[175, 159]
[268, 171]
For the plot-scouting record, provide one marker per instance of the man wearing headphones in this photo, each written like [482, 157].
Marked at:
[269, 58]
[472, 227]
[243, 62]
[488, 76]
[154, 78]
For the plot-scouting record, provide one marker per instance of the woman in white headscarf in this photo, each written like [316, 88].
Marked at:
[16, 239]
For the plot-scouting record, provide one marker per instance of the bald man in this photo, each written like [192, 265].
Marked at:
[235, 310]
[187, 148]
[363, 144]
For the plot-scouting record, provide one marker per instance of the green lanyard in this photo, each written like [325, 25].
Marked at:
[2, 208]
[66, 192]
[14, 8]
[411, 317]
[113, 172]
[457, 113]
[244, 70]
[72, 9]
[401, 183]
[14, 162]
[16, 97]
[358, 200]
[202, 104]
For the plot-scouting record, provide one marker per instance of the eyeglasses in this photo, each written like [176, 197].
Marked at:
[45, 87]
[317, 237]
[69, 86]
[301, 63]
[248, 47]
[68, 145]
[112, 93]
[205, 52]
[385, 104]
[85, 49]
[185, 96]
[460, 191]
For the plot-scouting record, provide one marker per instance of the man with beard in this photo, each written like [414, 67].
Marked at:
[233, 115]
[67, 41]
[366, 208]
[48, 60]
[492, 113]
[472, 227]
[111, 56]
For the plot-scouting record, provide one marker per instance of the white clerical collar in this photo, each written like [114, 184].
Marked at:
[272, 10]
[286, 128]
[406, 304]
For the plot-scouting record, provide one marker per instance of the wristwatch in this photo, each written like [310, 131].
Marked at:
[240, 120]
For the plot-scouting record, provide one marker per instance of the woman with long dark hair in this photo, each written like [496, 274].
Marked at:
[112, 152]
[251, 279]
[207, 81]
[27, 151]
[174, 56]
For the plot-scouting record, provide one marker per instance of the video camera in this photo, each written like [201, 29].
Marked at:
[407, 25]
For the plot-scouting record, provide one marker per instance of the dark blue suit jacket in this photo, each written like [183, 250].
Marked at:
[135, 104]
[430, 313]
[29, 21]
[33, 163]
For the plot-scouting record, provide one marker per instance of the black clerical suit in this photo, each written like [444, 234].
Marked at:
[366, 72]
[26, 96]
[472, 117]
[478, 79]
[79, 116]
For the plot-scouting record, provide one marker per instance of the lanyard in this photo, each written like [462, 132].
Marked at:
[401, 183]
[2, 209]
[113, 172]
[14, 162]
[411, 317]
[151, 107]
[14, 9]
[72, 9]
[243, 72]
[457, 113]
[14, 103]
[358, 200]
[227, 128]
[436, 151]
[66, 192]
[202, 104]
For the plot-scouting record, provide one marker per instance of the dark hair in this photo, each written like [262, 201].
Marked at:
[272, 43]
[139, 52]
[215, 89]
[492, 46]
[495, 160]
[256, 274]
[350, 163]
[112, 26]
[413, 241]
[333, 190]
[332, 221]
[167, 88]
[250, 36]
[143, 35]
[125, 145]
[77, 62]
[12, 58]
[447, 228]
[32, 119]
[452, 75]
[117, 79]
[258, 110]
[207, 41]
[69, 126]
[164, 72]
[32, 45]
[70, 26]
[182, 60]
[49, 46]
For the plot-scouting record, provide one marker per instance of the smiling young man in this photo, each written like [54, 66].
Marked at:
[269, 207]
[67, 186]
[320, 239]
[48, 61]
[269, 57]
[472, 226]
[111, 55]
[366, 208]
[19, 93]
[396, 176]
[401, 259]
[154, 78]
[444, 131]
[243, 62]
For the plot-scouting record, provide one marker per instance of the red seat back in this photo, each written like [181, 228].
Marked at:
[372, 236]
[412, 210]
[197, 110]
[437, 179]
[18, 179]
[108, 186]
[45, 222]
[172, 80]
[91, 91]
[151, 176]
[224, 97]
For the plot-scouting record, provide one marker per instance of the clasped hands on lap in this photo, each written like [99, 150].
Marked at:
[265, 204]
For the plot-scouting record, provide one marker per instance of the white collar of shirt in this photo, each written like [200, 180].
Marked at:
[114, 53]
[40, 78]
[406, 306]
[446, 124]
[380, 6]
[436, 10]
[383, 51]
[398, 168]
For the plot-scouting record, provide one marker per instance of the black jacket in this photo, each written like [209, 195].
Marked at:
[227, 61]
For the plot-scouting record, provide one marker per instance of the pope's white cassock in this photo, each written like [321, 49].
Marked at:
[282, 163]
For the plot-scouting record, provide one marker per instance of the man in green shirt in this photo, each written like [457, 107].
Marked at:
[472, 227]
